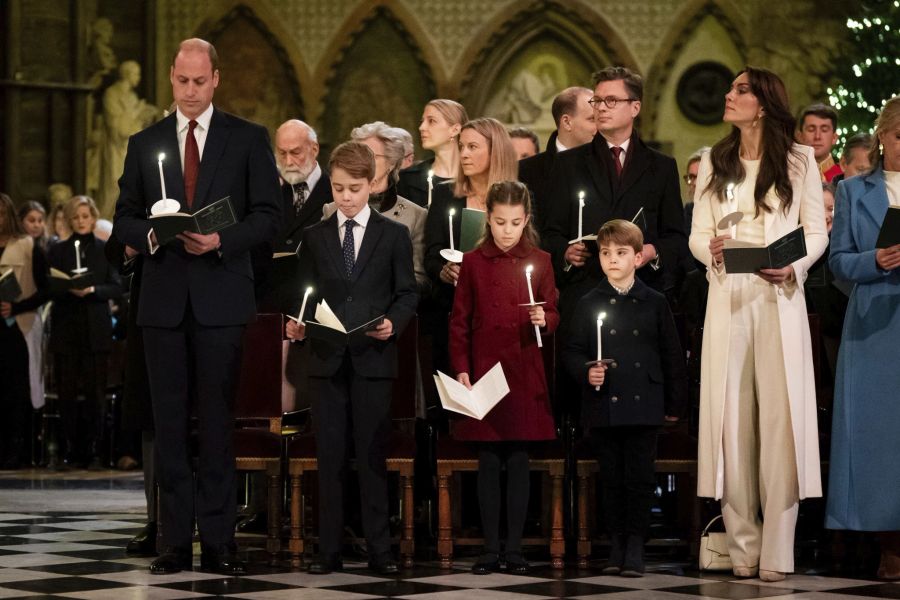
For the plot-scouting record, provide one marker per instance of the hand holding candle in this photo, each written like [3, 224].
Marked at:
[537, 330]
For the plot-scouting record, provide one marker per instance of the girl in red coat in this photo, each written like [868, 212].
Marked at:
[489, 324]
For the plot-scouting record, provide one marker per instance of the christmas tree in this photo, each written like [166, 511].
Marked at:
[868, 72]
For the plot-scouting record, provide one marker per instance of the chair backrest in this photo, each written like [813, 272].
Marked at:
[403, 402]
[259, 384]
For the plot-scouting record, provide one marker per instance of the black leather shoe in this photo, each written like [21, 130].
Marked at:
[255, 523]
[222, 559]
[324, 565]
[172, 560]
[486, 563]
[516, 564]
[384, 565]
[144, 543]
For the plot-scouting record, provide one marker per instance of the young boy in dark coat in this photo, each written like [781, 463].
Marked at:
[627, 398]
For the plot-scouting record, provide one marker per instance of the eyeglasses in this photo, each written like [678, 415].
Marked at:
[689, 179]
[609, 101]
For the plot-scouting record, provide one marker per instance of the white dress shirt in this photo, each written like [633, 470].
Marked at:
[359, 230]
[200, 131]
[624, 146]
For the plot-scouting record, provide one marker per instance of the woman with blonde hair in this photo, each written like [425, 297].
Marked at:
[864, 440]
[439, 129]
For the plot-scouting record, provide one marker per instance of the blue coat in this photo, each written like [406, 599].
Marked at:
[865, 443]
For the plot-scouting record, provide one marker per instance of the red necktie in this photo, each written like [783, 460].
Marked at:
[191, 164]
[617, 153]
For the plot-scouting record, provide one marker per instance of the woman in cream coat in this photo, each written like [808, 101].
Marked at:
[758, 446]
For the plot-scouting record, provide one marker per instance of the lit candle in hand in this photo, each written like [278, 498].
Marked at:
[303, 305]
[580, 215]
[537, 329]
[452, 212]
[600, 318]
[430, 186]
[162, 179]
[77, 256]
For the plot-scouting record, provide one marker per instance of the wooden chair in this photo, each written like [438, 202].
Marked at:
[677, 453]
[401, 453]
[550, 458]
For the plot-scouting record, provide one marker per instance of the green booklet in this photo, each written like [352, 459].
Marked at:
[471, 228]
[210, 219]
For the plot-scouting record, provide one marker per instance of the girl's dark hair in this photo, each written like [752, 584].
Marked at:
[777, 150]
[29, 206]
[11, 225]
[511, 193]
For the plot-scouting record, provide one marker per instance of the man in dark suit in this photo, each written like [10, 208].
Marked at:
[620, 176]
[305, 188]
[575, 126]
[361, 264]
[196, 297]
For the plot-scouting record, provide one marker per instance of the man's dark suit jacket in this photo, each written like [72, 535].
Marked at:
[650, 180]
[382, 283]
[534, 172]
[237, 161]
[291, 233]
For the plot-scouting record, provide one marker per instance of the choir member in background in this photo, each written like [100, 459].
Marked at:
[432, 179]
[81, 335]
[34, 220]
[361, 264]
[21, 355]
[626, 400]
[758, 442]
[489, 324]
[864, 441]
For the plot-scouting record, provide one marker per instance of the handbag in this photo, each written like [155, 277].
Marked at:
[714, 549]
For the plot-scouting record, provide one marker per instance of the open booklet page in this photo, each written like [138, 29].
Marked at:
[477, 402]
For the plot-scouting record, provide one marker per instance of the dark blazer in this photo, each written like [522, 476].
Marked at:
[83, 324]
[650, 180]
[382, 283]
[237, 162]
[534, 172]
[648, 379]
[291, 233]
[413, 184]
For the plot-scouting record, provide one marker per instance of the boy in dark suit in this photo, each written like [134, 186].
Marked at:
[625, 401]
[361, 264]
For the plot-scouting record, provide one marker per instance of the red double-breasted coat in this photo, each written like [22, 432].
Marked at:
[487, 325]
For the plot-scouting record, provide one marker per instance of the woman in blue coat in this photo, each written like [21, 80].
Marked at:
[865, 441]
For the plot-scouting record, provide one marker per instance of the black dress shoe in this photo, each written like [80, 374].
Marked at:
[516, 564]
[486, 563]
[172, 560]
[144, 543]
[384, 565]
[324, 565]
[255, 523]
[222, 559]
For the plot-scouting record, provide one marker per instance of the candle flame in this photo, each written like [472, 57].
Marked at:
[309, 290]
[581, 195]
[601, 316]
[430, 173]
[452, 211]
[529, 269]
[162, 155]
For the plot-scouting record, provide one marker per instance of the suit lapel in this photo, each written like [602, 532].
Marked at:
[216, 140]
[370, 240]
[875, 201]
[601, 182]
[333, 244]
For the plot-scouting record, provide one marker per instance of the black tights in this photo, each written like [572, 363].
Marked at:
[491, 458]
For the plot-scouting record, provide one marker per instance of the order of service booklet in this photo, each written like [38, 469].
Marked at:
[742, 257]
[889, 235]
[471, 228]
[477, 402]
[209, 219]
[62, 282]
[327, 327]
[9, 287]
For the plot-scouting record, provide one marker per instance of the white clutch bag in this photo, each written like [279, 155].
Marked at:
[714, 549]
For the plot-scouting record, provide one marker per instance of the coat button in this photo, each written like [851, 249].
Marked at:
[637, 365]
[634, 300]
[637, 397]
[612, 300]
[612, 332]
[615, 365]
[349, 298]
[614, 399]
[780, 292]
[288, 241]
[635, 332]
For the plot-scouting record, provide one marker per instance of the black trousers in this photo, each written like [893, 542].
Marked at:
[626, 455]
[492, 456]
[84, 423]
[348, 403]
[14, 392]
[205, 360]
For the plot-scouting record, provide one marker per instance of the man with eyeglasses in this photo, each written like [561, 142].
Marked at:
[622, 178]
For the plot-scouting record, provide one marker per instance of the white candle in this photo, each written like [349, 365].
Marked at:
[452, 212]
[580, 215]
[600, 318]
[77, 255]
[162, 180]
[430, 186]
[303, 304]
[732, 207]
[537, 329]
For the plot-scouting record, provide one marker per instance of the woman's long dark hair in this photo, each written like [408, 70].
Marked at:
[778, 126]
